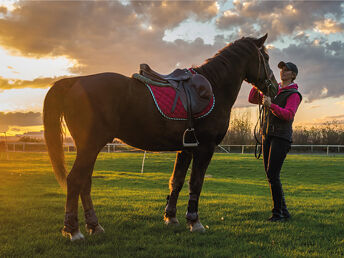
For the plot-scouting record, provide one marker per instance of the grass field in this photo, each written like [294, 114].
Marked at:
[234, 206]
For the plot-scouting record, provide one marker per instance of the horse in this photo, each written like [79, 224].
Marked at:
[98, 108]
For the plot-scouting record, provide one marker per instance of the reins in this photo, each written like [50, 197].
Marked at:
[263, 117]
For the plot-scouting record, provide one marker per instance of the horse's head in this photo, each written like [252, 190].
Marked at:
[259, 72]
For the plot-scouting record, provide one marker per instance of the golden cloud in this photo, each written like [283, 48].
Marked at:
[6, 84]
[328, 26]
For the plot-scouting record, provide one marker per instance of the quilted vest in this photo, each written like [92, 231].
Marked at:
[278, 127]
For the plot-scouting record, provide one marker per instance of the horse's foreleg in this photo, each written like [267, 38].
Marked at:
[177, 179]
[92, 224]
[201, 159]
[77, 178]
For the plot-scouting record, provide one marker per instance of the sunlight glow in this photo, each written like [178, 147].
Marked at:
[341, 103]
[26, 68]
[147, 27]
[19, 130]
[10, 5]
[327, 26]
[22, 100]
[290, 9]
[214, 8]
[230, 13]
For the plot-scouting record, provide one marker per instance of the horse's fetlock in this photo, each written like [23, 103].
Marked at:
[91, 218]
[191, 217]
[71, 224]
[170, 211]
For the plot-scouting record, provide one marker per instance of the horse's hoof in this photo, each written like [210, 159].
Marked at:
[77, 235]
[196, 227]
[94, 230]
[171, 221]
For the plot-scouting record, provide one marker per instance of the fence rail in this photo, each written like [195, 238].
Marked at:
[120, 147]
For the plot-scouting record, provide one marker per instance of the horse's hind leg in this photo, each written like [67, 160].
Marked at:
[177, 179]
[92, 224]
[77, 178]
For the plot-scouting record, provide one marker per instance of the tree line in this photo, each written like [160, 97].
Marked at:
[241, 129]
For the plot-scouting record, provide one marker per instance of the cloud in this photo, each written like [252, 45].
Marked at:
[19, 119]
[105, 35]
[334, 120]
[108, 36]
[320, 67]
[328, 26]
[336, 117]
[36, 83]
[3, 10]
[281, 18]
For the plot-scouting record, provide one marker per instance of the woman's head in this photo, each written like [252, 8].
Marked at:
[288, 71]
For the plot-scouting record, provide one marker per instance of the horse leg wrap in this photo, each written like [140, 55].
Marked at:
[71, 224]
[91, 219]
[170, 209]
[192, 213]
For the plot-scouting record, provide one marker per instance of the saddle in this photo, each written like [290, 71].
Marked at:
[176, 75]
[194, 91]
[193, 88]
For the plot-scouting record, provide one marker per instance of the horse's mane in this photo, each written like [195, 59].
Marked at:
[225, 60]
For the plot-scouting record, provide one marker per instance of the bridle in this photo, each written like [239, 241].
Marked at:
[271, 91]
[268, 75]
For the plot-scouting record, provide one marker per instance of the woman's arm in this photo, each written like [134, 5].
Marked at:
[255, 97]
[288, 112]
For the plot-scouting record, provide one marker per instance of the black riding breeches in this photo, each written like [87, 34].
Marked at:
[274, 152]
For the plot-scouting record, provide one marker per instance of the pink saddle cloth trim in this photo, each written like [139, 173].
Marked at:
[164, 99]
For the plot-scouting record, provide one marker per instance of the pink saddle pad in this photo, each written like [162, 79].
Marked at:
[164, 98]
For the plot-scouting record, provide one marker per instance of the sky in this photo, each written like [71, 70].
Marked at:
[43, 41]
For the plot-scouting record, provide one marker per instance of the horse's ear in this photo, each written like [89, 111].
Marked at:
[260, 42]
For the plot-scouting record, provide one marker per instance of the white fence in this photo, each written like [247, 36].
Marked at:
[328, 149]
[118, 147]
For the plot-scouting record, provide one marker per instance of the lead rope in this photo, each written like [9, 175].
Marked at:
[258, 147]
[263, 120]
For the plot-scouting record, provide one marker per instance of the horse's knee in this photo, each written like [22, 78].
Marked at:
[176, 184]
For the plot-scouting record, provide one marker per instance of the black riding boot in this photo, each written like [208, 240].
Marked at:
[285, 212]
[277, 197]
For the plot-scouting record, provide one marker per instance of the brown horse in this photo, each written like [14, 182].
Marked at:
[98, 108]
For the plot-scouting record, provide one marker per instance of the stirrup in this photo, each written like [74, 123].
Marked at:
[189, 138]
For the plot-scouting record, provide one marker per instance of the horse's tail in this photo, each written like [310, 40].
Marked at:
[52, 120]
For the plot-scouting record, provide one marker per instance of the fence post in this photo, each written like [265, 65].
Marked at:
[108, 148]
[242, 149]
[311, 148]
[143, 162]
[327, 150]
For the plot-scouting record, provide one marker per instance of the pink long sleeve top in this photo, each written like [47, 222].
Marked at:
[288, 112]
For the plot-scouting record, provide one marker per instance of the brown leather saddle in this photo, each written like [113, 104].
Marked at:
[194, 91]
[192, 88]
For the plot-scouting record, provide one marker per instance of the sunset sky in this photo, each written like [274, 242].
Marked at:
[41, 42]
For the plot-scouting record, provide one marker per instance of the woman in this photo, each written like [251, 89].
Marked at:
[277, 138]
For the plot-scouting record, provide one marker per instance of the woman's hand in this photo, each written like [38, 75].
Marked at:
[266, 101]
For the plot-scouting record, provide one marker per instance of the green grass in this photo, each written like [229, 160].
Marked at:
[234, 206]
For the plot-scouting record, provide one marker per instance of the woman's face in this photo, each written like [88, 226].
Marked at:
[286, 75]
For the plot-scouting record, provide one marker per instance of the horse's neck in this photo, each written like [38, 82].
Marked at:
[226, 87]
